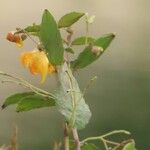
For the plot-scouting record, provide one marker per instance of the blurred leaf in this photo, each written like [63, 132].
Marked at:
[33, 102]
[51, 39]
[89, 146]
[129, 146]
[33, 28]
[70, 50]
[72, 145]
[70, 101]
[69, 19]
[15, 98]
[89, 54]
[82, 40]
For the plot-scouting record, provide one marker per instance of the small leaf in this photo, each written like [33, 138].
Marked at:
[33, 28]
[89, 146]
[15, 98]
[82, 40]
[70, 101]
[129, 146]
[93, 52]
[69, 19]
[33, 102]
[70, 50]
[51, 39]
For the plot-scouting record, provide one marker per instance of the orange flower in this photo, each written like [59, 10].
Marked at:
[15, 38]
[38, 63]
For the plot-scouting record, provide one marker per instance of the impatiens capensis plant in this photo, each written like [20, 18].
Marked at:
[54, 56]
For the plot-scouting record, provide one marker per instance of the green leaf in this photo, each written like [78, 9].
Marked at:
[89, 146]
[82, 40]
[15, 98]
[129, 146]
[70, 101]
[51, 39]
[33, 28]
[33, 102]
[93, 52]
[69, 19]
[70, 50]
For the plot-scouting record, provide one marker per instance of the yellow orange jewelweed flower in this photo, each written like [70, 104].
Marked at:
[37, 62]
[15, 38]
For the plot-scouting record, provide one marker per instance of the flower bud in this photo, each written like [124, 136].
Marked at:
[12, 37]
[23, 37]
[97, 50]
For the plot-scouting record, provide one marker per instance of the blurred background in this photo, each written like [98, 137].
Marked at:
[119, 99]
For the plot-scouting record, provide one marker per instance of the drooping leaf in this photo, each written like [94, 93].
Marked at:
[129, 146]
[93, 52]
[15, 98]
[70, 101]
[83, 40]
[33, 102]
[51, 38]
[69, 19]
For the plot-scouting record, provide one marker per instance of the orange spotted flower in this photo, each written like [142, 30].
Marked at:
[37, 62]
[12, 37]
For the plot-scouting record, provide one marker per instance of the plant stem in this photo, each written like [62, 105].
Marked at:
[76, 138]
[105, 144]
[87, 33]
[74, 103]
[66, 137]
[28, 34]
[105, 135]
[89, 84]
[23, 82]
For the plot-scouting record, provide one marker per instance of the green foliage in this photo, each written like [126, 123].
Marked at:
[83, 40]
[68, 98]
[51, 39]
[129, 146]
[34, 28]
[70, 101]
[89, 146]
[93, 52]
[69, 19]
[15, 98]
[69, 50]
[33, 102]
[27, 101]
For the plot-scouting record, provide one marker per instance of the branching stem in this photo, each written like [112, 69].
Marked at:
[26, 84]
[105, 141]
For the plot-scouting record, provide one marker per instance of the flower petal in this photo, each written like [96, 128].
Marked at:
[38, 63]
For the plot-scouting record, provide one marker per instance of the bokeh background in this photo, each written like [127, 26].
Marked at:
[119, 99]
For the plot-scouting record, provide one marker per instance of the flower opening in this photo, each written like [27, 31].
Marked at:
[38, 63]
